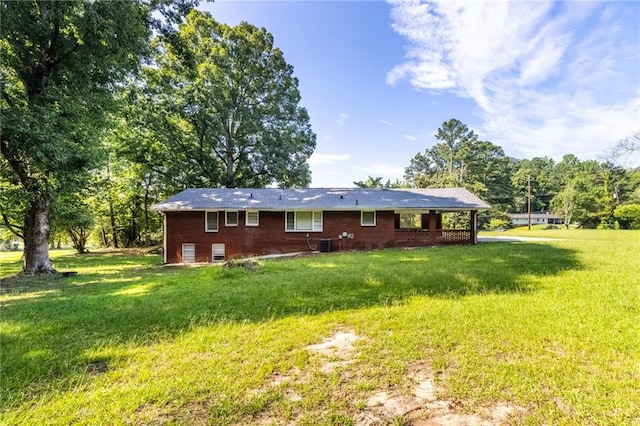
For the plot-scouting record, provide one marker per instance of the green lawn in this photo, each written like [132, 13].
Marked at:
[550, 330]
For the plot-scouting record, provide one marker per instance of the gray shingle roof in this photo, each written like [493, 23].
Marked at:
[322, 199]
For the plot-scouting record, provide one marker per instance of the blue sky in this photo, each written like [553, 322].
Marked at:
[379, 78]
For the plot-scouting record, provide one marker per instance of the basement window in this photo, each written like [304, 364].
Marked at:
[217, 252]
[188, 253]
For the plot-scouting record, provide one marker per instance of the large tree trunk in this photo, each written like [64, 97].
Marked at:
[36, 238]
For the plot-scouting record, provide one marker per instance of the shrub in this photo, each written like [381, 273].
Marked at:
[498, 223]
[628, 216]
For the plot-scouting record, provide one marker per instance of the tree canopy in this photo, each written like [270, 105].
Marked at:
[584, 192]
[220, 107]
[60, 63]
[461, 160]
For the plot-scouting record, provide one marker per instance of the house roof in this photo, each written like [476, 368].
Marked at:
[534, 215]
[322, 199]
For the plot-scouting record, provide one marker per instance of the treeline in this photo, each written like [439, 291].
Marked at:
[594, 194]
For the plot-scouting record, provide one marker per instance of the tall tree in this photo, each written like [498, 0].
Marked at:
[376, 182]
[444, 163]
[566, 202]
[224, 105]
[461, 160]
[121, 211]
[486, 171]
[59, 63]
[612, 179]
[453, 135]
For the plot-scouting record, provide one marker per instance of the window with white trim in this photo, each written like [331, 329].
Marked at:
[211, 222]
[217, 252]
[231, 218]
[188, 252]
[252, 218]
[368, 218]
[300, 221]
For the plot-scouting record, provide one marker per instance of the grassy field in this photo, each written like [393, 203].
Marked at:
[511, 333]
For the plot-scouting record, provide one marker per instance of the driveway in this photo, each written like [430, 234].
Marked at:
[497, 239]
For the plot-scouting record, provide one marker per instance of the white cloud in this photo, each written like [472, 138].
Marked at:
[342, 118]
[387, 171]
[411, 137]
[385, 122]
[338, 172]
[581, 128]
[322, 159]
[549, 78]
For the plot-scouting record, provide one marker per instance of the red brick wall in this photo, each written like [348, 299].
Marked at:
[270, 236]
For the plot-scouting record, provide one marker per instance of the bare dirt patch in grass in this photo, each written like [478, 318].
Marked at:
[337, 351]
[278, 379]
[420, 403]
[424, 406]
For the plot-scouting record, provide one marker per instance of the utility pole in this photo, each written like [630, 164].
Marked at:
[529, 203]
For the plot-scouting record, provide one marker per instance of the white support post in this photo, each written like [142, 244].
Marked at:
[164, 237]
[474, 226]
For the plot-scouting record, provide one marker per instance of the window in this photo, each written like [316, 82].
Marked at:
[368, 219]
[211, 224]
[317, 221]
[189, 252]
[410, 221]
[291, 221]
[217, 252]
[304, 221]
[252, 218]
[231, 218]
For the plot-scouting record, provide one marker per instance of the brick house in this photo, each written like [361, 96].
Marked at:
[208, 225]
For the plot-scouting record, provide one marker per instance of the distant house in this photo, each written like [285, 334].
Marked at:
[537, 218]
[207, 225]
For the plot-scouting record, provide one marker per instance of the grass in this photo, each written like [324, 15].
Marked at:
[541, 231]
[552, 327]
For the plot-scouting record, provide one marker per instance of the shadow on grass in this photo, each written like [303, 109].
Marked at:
[48, 330]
